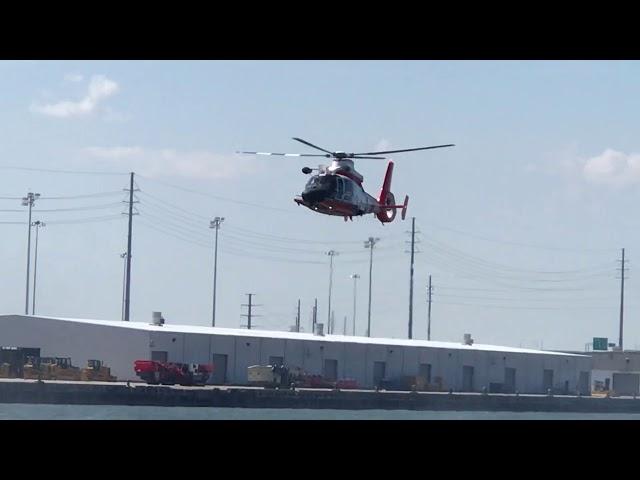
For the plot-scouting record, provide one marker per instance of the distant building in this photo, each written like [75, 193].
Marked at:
[464, 366]
[616, 371]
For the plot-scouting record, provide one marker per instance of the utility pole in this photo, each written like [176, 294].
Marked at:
[429, 290]
[124, 283]
[344, 326]
[28, 201]
[370, 244]
[332, 323]
[249, 313]
[314, 316]
[622, 278]
[355, 277]
[413, 238]
[38, 224]
[298, 318]
[331, 254]
[127, 296]
[215, 223]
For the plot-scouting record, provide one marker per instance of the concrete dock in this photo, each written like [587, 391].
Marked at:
[120, 393]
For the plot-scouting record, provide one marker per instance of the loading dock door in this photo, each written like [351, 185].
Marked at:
[583, 383]
[219, 376]
[378, 372]
[547, 380]
[626, 383]
[424, 370]
[159, 356]
[330, 370]
[276, 360]
[509, 380]
[467, 378]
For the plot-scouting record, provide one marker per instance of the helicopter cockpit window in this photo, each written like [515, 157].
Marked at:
[348, 190]
[313, 181]
[322, 181]
[339, 187]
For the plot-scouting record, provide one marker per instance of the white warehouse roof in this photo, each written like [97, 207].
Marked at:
[177, 328]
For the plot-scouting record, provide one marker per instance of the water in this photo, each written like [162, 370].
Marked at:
[119, 412]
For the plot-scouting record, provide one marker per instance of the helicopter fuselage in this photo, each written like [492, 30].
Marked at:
[337, 194]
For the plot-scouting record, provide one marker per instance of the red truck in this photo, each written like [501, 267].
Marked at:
[155, 373]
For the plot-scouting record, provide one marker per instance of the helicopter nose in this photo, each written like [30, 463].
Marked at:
[313, 196]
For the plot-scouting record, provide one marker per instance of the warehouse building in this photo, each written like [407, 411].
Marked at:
[463, 366]
[616, 371]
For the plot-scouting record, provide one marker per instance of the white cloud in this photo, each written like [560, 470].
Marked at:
[100, 88]
[169, 162]
[382, 145]
[613, 168]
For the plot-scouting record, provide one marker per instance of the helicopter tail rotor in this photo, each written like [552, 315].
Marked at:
[404, 206]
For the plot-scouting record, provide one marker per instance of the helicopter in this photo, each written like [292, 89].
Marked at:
[337, 189]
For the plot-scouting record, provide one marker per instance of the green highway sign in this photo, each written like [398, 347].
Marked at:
[600, 343]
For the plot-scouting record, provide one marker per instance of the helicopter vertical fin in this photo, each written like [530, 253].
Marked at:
[404, 206]
[386, 184]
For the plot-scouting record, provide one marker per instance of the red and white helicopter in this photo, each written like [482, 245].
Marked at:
[337, 189]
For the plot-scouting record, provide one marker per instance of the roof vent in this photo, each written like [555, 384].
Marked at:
[319, 329]
[467, 339]
[157, 319]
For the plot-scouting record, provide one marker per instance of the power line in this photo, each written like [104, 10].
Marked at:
[182, 223]
[471, 269]
[518, 307]
[225, 248]
[51, 170]
[520, 244]
[216, 197]
[170, 205]
[481, 263]
[181, 228]
[473, 297]
[85, 220]
[88, 195]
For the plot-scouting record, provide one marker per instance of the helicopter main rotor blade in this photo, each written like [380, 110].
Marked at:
[312, 145]
[286, 154]
[406, 150]
[373, 158]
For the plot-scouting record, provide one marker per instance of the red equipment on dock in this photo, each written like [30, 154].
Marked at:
[156, 373]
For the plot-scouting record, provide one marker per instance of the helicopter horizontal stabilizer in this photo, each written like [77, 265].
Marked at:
[403, 206]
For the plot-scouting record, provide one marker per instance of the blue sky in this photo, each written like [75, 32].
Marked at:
[521, 223]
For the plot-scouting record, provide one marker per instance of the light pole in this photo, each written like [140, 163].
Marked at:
[28, 201]
[370, 244]
[124, 281]
[355, 277]
[331, 254]
[215, 223]
[38, 224]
